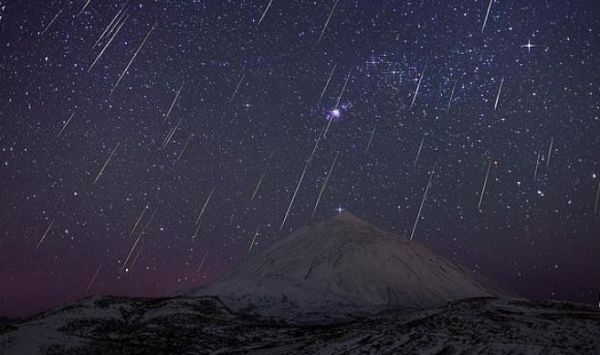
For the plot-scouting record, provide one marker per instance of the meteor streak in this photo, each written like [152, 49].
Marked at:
[337, 103]
[174, 102]
[108, 43]
[51, 22]
[451, 96]
[202, 212]
[93, 279]
[253, 239]
[487, 14]
[487, 174]
[106, 163]
[265, 12]
[312, 154]
[202, 262]
[418, 86]
[171, 134]
[412, 233]
[498, 96]
[66, 124]
[110, 26]
[185, 147]
[370, 140]
[137, 221]
[419, 151]
[325, 184]
[326, 85]
[550, 152]
[137, 240]
[133, 58]
[83, 9]
[44, 235]
[327, 22]
[258, 186]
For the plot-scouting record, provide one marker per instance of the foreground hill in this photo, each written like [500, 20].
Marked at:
[117, 325]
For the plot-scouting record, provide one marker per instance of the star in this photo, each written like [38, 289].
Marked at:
[528, 45]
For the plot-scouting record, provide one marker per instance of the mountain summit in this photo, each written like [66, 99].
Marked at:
[344, 266]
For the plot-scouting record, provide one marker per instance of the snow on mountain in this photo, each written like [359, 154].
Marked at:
[121, 325]
[325, 272]
[341, 267]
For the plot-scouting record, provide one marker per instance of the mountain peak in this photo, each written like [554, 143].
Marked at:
[347, 216]
[341, 266]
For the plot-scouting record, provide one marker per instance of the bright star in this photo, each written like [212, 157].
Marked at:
[528, 45]
[339, 210]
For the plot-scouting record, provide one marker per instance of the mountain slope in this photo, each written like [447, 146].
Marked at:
[120, 325]
[343, 266]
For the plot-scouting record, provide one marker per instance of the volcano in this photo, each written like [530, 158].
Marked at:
[343, 267]
[337, 287]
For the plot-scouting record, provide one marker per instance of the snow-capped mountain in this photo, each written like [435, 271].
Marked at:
[327, 272]
[344, 266]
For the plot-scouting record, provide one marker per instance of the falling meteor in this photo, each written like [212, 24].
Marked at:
[419, 151]
[185, 146]
[137, 240]
[337, 104]
[253, 239]
[174, 102]
[133, 58]
[325, 184]
[237, 87]
[171, 134]
[327, 22]
[486, 16]
[51, 22]
[312, 154]
[83, 9]
[294, 196]
[204, 206]
[265, 12]
[66, 124]
[550, 152]
[109, 28]
[498, 96]
[330, 119]
[137, 255]
[106, 163]
[258, 185]
[137, 222]
[487, 174]
[202, 212]
[202, 262]
[451, 96]
[108, 43]
[44, 235]
[537, 164]
[262, 177]
[418, 86]
[93, 279]
[412, 233]
[326, 85]
[370, 141]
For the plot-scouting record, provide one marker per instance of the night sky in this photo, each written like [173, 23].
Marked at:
[200, 118]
